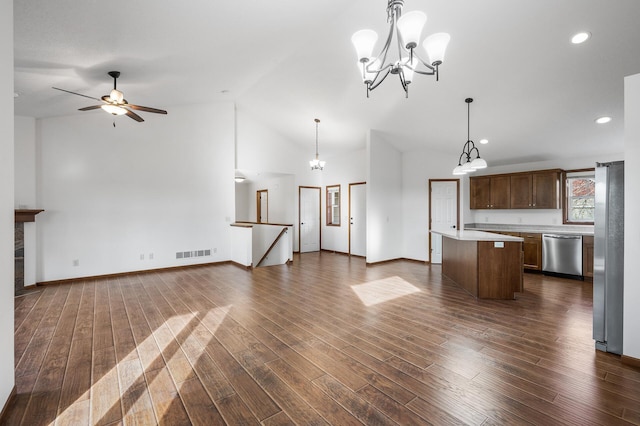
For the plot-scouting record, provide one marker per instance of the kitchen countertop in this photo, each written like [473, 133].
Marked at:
[540, 229]
[472, 235]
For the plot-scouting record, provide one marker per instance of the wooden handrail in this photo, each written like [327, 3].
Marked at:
[284, 231]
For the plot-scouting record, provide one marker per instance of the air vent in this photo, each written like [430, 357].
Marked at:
[193, 253]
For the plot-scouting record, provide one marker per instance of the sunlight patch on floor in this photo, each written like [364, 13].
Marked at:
[383, 290]
[106, 393]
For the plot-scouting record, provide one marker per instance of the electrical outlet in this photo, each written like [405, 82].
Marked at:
[76, 262]
[150, 256]
[215, 250]
[141, 256]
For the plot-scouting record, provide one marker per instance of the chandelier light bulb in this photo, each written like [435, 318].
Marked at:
[364, 41]
[436, 45]
[410, 27]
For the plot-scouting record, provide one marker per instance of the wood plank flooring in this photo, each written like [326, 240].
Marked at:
[325, 340]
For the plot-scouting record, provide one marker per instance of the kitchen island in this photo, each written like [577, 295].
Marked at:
[488, 266]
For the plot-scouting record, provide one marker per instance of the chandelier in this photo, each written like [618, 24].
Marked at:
[407, 29]
[316, 164]
[468, 149]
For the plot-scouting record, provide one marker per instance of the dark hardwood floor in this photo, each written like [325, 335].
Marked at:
[325, 340]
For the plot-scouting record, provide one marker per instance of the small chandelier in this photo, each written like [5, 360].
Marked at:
[407, 29]
[316, 164]
[469, 147]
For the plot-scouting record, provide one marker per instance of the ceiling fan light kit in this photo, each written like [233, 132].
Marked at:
[468, 149]
[115, 104]
[407, 30]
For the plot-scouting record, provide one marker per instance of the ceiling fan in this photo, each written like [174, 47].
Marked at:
[115, 103]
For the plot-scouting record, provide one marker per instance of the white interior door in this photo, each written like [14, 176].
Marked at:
[443, 200]
[309, 219]
[358, 219]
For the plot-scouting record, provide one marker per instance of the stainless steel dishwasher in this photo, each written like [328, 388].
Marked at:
[562, 254]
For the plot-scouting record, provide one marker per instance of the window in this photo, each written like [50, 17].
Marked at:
[579, 203]
[333, 205]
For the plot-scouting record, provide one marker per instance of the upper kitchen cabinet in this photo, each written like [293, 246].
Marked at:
[528, 190]
[535, 190]
[489, 192]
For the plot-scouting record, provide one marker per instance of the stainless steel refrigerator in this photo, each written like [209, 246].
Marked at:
[608, 264]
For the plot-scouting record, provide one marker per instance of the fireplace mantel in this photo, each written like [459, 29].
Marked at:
[26, 215]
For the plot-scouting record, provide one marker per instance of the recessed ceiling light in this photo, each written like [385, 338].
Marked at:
[484, 141]
[603, 120]
[580, 37]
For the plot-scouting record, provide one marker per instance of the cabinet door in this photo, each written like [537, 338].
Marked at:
[500, 192]
[587, 256]
[521, 194]
[532, 247]
[546, 188]
[480, 192]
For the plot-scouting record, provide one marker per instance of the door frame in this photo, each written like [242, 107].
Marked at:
[319, 188]
[457, 205]
[350, 185]
[259, 205]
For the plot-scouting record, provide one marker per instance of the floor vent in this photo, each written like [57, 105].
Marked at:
[194, 253]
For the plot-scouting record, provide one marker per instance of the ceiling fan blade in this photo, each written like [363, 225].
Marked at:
[134, 116]
[74, 93]
[147, 109]
[89, 108]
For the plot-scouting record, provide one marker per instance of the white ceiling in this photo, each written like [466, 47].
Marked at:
[286, 62]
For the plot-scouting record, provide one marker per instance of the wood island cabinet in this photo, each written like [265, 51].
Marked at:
[527, 190]
[490, 192]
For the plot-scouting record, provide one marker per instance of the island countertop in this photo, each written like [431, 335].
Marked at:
[471, 235]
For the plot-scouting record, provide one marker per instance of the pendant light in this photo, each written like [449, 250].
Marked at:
[469, 147]
[316, 163]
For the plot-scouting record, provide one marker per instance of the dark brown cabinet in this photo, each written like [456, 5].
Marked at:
[528, 190]
[535, 190]
[532, 247]
[587, 256]
[489, 192]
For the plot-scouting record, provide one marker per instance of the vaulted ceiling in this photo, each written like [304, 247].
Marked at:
[286, 62]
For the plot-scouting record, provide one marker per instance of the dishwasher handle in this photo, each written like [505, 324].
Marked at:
[562, 237]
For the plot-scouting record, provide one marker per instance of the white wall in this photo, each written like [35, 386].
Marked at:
[384, 200]
[7, 379]
[261, 149]
[112, 195]
[417, 168]
[341, 170]
[281, 197]
[631, 331]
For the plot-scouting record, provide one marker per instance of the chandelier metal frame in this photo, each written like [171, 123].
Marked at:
[374, 70]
